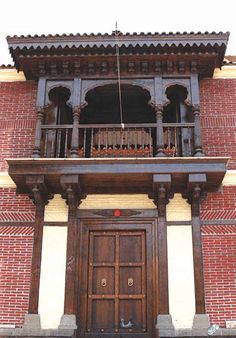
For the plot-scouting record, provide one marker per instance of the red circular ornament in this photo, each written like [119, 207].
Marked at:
[117, 212]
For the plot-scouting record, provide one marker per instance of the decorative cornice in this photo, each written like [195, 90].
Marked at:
[127, 39]
[70, 54]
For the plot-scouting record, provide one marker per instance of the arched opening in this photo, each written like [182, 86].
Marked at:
[178, 123]
[177, 110]
[106, 136]
[104, 106]
[56, 132]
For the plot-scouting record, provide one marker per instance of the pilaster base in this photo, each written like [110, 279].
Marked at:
[32, 324]
[201, 323]
[68, 322]
[165, 326]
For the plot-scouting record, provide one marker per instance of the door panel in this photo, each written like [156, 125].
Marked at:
[132, 311]
[102, 314]
[103, 280]
[130, 280]
[103, 249]
[130, 248]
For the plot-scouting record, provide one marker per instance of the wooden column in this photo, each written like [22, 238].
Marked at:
[197, 250]
[75, 133]
[38, 133]
[159, 131]
[40, 198]
[72, 193]
[197, 132]
[161, 191]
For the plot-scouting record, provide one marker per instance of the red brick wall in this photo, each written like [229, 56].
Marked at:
[15, 257]
[218, 107]
[15, 207]
[219, 256]
[220, 205]
[218, 118]
[17, 123]
[17, 120]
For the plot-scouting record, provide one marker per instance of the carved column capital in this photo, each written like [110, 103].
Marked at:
[76, 111]
[159, 109]
[161, 192]
[72, 192]
[38, 191]
[196, 108]
[195, 200]
[195, 192]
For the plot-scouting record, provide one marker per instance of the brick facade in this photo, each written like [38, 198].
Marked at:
[17, 120]
[218, 118]
[15, 255]
[17, 125]
[15, 207]
[219, 252]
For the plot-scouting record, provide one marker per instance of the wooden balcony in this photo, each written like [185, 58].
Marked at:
[114, 140]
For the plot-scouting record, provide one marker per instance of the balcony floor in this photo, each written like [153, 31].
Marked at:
[118, 175]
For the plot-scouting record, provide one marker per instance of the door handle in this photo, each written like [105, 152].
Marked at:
[130, 282]
[103, 282]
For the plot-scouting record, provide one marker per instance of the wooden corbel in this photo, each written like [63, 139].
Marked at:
[195, 192]
[72, 192]
[161, 192]
[38, 190]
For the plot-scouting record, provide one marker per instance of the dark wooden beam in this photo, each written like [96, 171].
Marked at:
[73, 196]
[40, 198]
[195, 196]
[161, 188]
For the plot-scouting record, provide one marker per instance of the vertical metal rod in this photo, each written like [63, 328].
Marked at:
[65, 146]
[91, 145]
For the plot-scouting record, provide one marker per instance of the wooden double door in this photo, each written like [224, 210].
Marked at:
[117, 283]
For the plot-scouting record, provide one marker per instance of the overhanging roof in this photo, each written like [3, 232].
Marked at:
[28, 49]
[119, 175]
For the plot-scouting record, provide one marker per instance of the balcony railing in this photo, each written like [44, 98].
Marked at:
[113, 140]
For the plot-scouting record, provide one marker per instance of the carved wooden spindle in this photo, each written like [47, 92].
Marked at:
[197, 132]
[75, 133]
[159, 131]
[38, 133]
[197, 250]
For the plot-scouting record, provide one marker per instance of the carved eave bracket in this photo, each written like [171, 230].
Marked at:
[72, 192]
[38, 190]
[195, 192]
[161, 192]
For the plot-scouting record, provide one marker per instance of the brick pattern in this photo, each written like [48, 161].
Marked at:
[17, 120]
[17, 125]
[218, 118]
[15, 207]
[219, 258]
[220, 205]
[15, 266]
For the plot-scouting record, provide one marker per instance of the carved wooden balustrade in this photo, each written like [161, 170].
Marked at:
[114, 140]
